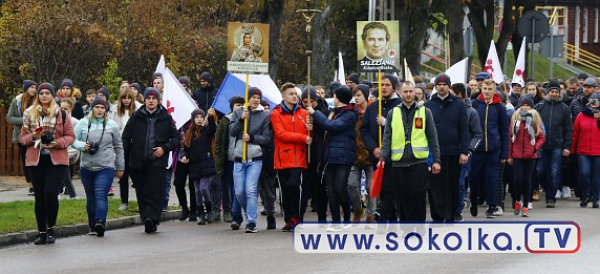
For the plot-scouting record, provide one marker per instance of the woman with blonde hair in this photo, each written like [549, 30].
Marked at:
[126, 105]
[526, 138]
[46, 132]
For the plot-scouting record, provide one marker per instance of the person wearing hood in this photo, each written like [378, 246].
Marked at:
[516, 91]
[15, 117]
[491, 151]
[451, 113]
[475, 135]
[205, 95]
[46, 133]
[558, 125]
[291, 136]
[148, 137]
[247, 168]
[526, 138]
[586, 133]
[421, 94]
[340, 150]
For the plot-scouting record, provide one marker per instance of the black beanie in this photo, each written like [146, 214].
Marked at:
[49, 87]
[442, 78]
[354, 78]
[151, 91]
[313, 93]
[343, 94]
[104, 91]
[582, 75]
[527, 100]
[334, 86]
[137, 87]
[364, 89]
[66, 82]
[100, 101]
[393, 79]
[235, 99]
[553, 85]
[368, 83]
[254, 91]
[196, 112]
[27, 84]
[206, 77]
[184, 81]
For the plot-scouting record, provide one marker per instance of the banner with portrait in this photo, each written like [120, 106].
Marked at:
[378, 46]
[248, 47]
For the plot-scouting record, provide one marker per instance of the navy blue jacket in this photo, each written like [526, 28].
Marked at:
[451, 123]
[340, 139]
[493, 121]
[369, 130]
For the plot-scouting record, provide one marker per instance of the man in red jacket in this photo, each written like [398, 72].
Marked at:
[291, 136]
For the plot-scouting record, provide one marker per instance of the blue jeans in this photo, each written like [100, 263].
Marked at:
[548, 169]
[236, 209]
[96, 185]
[245, 183]
[167, 188]
[464, 172]
[589, 176]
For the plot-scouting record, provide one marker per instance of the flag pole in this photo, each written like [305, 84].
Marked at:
[308, 53]
[245, 147]
[379, 102]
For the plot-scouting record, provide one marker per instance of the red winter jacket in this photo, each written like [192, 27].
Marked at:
[289, 134]
[521, 148]
[586, 136]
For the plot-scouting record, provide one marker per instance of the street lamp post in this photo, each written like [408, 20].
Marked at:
[308, 13]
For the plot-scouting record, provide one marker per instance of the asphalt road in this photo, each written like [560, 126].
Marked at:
[184, 247]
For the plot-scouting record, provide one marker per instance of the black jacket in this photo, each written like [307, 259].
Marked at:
[369, 130]
[135, 136]
[450, 117]
[556, 116]
[202, 160]
[205, 97]
[316, 148]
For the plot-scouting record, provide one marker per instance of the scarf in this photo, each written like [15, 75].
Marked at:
[524, 116]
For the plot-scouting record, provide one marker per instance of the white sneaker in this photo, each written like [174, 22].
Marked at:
[530, 206]
[123, 207]
[498, 211]
[566, 192]
[558, 194]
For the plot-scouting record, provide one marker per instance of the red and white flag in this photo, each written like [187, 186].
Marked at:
[492, 65]
[176, 100]
[519, 74]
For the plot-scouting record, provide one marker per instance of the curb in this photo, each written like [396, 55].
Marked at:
[81, 229]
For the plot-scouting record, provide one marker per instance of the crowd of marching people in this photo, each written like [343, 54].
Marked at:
[453, 146]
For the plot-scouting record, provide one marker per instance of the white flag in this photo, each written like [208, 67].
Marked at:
[458, 71]
[492, 65]
[341, 74]
[409, 77]
[176, 100]
[160, 67]
[518, 75]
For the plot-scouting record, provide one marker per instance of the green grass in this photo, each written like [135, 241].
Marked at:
[20, 216]
[541, 67]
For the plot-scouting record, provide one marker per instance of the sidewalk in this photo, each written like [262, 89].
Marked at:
[14, 188]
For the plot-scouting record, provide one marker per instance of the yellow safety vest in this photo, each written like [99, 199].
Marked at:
[418, 139]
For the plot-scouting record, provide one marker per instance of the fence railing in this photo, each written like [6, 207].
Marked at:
[581, 57]
[10, 165]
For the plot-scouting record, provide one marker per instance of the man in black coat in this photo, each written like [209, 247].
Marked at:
[148, 137]
[450, 116]
[205, 95]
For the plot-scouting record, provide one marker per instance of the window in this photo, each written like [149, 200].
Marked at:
[596, 23]
[584, 26]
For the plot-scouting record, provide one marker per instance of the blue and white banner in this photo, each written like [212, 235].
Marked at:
[235, 84]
